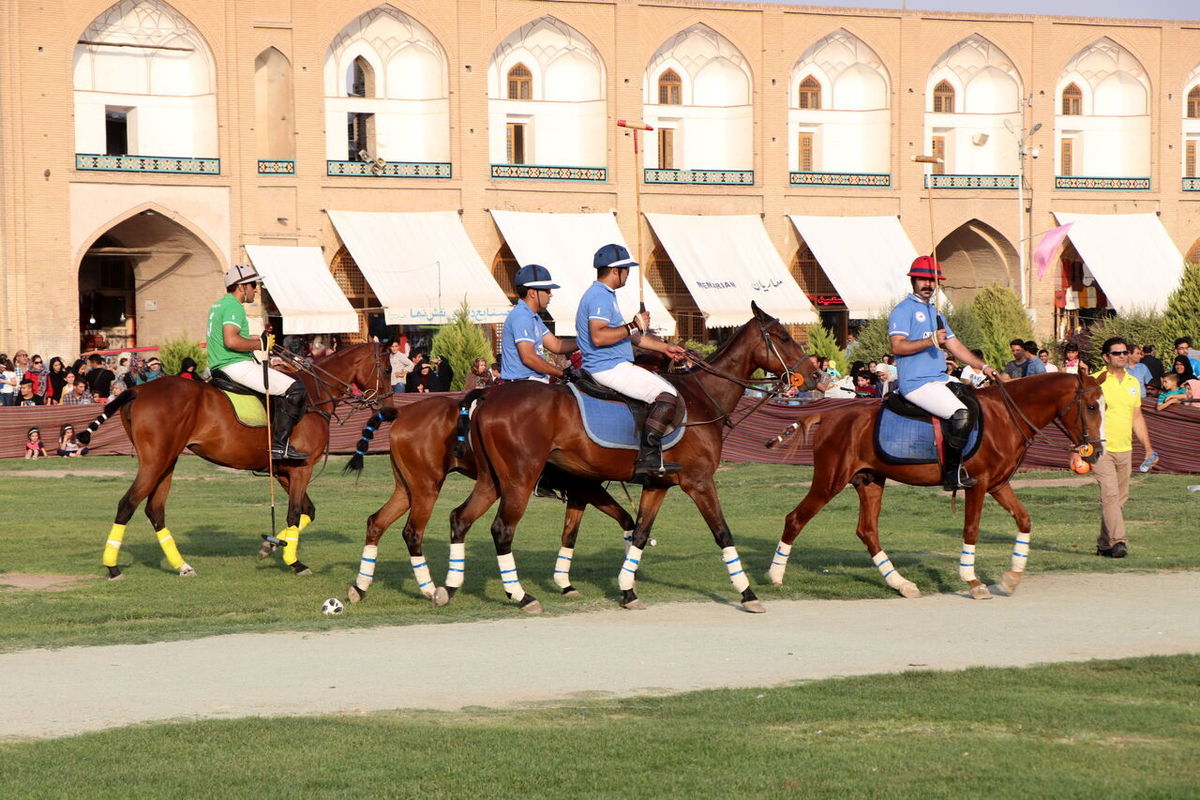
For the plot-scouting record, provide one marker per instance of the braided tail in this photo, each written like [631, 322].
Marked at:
[85, 436]
[355, 464]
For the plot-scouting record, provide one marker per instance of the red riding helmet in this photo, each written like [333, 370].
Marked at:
[926, 267]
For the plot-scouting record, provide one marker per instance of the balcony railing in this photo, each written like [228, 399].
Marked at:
[807, 178]
[1101, 184]
[548, 172]
[1191, 184]
[182, 165]
[390, 169]
[714, 177]
[970, 181]
[276, 166]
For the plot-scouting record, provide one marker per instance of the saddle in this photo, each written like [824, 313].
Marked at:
[904, 431]
[248, 405]
[608, 425]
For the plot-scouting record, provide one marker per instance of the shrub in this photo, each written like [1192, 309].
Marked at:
[821, 343]
[1136, 327]
[173, 351]
[462, 341]
[1001, 318]
[1182, 317]
[965, 324]
[873, 343]
[705, 349]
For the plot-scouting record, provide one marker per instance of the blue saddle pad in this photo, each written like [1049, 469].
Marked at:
[904, 440]
[610, 424]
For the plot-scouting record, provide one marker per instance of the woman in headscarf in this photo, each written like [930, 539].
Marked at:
[1182, 366]
[58, 378]
[187, 369]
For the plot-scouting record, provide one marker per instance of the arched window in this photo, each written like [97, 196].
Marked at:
[943, 98]
[810, 93]
[1193, 108]
[670, 89]
[1072, 101]
[362, 79]
[520, 83]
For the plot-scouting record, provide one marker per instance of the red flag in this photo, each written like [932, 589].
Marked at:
[1049, 244]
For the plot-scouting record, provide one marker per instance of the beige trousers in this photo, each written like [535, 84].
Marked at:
[1112, 473]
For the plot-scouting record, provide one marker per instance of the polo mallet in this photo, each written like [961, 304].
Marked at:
[270, 538]
[937, 292]
[637, 128]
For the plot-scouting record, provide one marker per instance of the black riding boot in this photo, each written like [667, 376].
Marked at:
[650, 462]
[288, 413]
[954, 474]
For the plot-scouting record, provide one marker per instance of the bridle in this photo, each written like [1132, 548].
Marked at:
[340, 391]
[1084, 447]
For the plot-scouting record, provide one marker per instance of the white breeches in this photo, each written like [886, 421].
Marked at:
[936, 398]
[633, 381]
[250, 375]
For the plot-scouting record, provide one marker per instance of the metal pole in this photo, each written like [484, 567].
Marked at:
[937, 293]
[1021, 222]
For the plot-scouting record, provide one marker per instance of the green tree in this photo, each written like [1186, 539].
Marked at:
[1001, 318]
[1182, 317]
[873, 343]
[173, 351]
[461, 342]
[821, 342]
[1136, 327]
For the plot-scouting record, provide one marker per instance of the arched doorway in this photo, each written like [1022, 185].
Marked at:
[976, 255]
[1193, 255]
[145, 280]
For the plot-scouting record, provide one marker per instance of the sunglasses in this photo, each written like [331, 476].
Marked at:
[1118, 352]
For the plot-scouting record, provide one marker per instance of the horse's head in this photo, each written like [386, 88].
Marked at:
[777, 352]
[365, 366]
[1082, 416]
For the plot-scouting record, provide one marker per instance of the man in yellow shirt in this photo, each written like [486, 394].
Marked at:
[1122, 419]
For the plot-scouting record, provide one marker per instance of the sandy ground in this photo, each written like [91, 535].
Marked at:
[669, 648]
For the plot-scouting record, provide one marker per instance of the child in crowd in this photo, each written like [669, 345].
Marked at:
[1172, 390]
[33, 444]
[67, 446]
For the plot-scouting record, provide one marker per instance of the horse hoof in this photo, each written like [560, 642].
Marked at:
[530, 606]
[570, 591]
[440, 597]
[754, 607]
[301, 569]
[266, 550]
[979, 591]
[1010, 581]
[355, 594]
[635, 604]
[909, 590]
[186, 571]
[116, 576]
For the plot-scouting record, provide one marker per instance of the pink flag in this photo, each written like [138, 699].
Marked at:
[1050, 243]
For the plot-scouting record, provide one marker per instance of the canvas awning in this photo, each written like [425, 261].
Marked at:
[303, 289]
[565, 245]
[727, 262]
[1131, 255]
[866, 259]
[421, 266]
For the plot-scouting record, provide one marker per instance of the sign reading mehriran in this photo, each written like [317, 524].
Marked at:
[716, 285]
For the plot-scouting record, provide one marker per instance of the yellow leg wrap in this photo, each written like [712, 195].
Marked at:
[113, 545]
[305, 521]
[167, 542]
[291, 544]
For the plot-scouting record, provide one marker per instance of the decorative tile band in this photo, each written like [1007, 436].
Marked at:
[181, 165]
[839, 179]
[720, 177]
[970, 181]
[1191, 184]
[390, 169]
[276, 166]
[1074, 182]
[545, 172]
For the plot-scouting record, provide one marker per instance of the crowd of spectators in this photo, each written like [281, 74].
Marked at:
[27, 380]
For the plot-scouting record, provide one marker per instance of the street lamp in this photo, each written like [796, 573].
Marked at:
[1033, 151]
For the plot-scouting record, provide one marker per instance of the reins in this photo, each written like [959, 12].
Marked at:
[340, 391]
[1015, 413]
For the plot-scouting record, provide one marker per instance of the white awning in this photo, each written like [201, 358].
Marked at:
[1131, 255]
[421, 265]
[303, 289]
[565, 245]
[866, 259]
[727, 262]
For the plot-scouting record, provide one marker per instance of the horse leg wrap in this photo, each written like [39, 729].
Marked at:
[733, 563]
[562, 567]
[112, 546]
[508, 576]
[366, 567]
[420, 569]
[305, 521]
[890, 574]
[291, 544]
[167, 542]
[966, 564]
[779, 562]
[633, 557]
[458, 565]
[1020, 554]
[628, 537]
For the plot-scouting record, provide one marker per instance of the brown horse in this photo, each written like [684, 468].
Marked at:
[520, 427]
[423, 453]
[167, 415]
[844, 452]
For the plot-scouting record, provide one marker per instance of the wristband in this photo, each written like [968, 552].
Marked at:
[632, 327]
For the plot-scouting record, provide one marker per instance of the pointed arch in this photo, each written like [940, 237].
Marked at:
[976, 255]
[563, 63]
[710, 67]
[1072, 100]
[274, 123]
[809, 97]
[1193, 103]
[944, 98]
[519, 82]
[670, 88]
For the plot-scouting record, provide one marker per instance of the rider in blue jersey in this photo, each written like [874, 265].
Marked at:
[525, 335]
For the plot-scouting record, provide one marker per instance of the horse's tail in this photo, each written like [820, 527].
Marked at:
[355, 464]
[805, 424]
[85, 436]
[463, 426]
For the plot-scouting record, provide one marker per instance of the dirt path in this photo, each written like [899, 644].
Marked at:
[670, 648]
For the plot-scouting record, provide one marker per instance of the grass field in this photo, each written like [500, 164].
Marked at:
[1128, 729]
[58, 524]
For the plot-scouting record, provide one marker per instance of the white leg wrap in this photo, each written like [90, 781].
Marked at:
[562, 567]
[458, 565]
[628, 540]
[1020, 555]
[966, 563]
[633, 557]
[508, 575]
[890, 573]
[420, 569]
[366, 567]
[733, 563]
[779, 562]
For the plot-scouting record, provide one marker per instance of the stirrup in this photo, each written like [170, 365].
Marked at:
[287, 453]
[651, 465]
[956, 479]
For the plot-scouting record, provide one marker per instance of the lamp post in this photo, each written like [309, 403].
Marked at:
[1022, 136]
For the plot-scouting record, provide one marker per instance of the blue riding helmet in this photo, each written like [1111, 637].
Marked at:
[534, 276]
[613, 255]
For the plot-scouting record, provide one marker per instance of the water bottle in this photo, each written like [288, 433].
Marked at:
[1150, 461]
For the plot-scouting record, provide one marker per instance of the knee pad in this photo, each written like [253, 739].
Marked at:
[665, 397]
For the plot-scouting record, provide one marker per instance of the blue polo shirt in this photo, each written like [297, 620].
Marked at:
[1142, 373]
[600, 302]
[521, 325]
[916, 320]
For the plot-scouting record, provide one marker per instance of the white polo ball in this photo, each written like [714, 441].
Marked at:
[332, 606]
